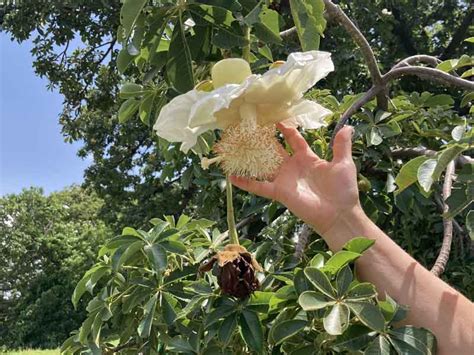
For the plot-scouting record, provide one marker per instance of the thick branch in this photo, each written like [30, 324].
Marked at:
[429, 74]
[414, 59]
[443, 257]
[422, 72]
[335, 13]
[288, 33]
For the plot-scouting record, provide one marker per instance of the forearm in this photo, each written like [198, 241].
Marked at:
[433, 304]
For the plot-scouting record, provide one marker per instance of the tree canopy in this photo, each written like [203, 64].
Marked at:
[402, 78]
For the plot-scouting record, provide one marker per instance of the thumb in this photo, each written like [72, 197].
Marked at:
[343, 144]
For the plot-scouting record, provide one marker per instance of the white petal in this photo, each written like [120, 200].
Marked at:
[308, 114]
[290, 81]
[172, 123]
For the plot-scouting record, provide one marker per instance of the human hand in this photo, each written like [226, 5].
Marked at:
[317, 191]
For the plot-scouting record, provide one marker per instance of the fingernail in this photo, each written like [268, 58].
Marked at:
[352, 129]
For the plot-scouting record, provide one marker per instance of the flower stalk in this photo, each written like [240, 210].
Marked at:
[246, 48]
[233, 237]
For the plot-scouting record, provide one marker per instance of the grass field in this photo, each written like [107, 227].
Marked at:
[33, 352]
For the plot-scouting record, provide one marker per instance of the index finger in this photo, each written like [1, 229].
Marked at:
[294, 138]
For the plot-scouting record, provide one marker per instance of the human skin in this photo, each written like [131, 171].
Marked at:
[325, 195]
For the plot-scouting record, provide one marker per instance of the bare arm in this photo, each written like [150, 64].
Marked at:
[324, 194]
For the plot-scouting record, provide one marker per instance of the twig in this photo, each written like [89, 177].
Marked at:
[288, 33]
[460, 33]
[414, 59]
[443, 256]
[338, 15]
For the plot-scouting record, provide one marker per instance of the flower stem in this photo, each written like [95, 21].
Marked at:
[233, 237]
[246, 48]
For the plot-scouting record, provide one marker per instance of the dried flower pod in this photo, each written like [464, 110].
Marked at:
[235, 271]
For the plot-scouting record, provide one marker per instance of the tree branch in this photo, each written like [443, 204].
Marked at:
[429, 74]
[335, 13]
[414, 59]
[443, 256]
[419, 151]
[288, 33]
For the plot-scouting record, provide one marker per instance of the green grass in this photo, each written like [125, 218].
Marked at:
[33, 352]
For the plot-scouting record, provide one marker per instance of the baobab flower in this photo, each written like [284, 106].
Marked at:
[246, 107]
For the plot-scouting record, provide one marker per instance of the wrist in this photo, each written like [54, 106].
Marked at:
[347, 225]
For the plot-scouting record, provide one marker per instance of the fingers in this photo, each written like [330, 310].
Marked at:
[294, 138]
[343, 144]
[261, 188]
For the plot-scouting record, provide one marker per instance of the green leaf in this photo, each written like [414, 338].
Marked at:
[123, 60]
[130, 90]
[227, 328]
[251, 330]
[374, 137]
[439, 100]
[144, 327]
[343, 280]
[356, 337]
[174, 246]
[81, 286]
[179, 69]
[309, 21]
[168, 306]
[337, 319]
[320, 281]
[458, 132]
[408, 173]
[362, 290]
[447, 65]
[419, 339]
[219, 313]
[287, 329]
[470, 223]
[128, 109]
[358, 245]
[129, 252]
[129, 13]
[339, 260]
[446, 156]
[369, 314]
[469, 40]
[268, 29]
[157, 256]
[145, 108]
[312, 301]
[468, 73]
[259, 301]
[460, 199]
[379, 346]
[178, 344]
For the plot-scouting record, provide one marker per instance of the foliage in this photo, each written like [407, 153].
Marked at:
[154, 301]
[112, 96]
[47, 244]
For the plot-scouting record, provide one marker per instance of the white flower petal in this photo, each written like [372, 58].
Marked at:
[308, 114]
[172, 123]
[290, 81]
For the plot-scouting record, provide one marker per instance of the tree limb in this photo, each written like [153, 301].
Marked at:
[443, 256]
[429, 74]
[335, 13]
[414, 59]
[419, 151]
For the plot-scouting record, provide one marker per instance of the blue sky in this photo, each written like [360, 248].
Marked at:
[32, 148]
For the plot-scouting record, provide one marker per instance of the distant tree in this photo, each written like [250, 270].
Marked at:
[47, 242]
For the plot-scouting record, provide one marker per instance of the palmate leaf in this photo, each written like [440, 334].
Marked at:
[129, 14]
[144, 327]
[312, 301]
[412, 340]
[368, 313]
[319, 280]
[379, 346]
[408, 173]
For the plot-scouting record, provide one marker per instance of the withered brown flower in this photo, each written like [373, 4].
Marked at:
[235, 271]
